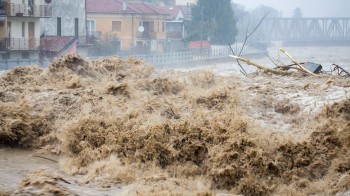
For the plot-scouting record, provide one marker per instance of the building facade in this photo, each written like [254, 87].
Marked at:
[66, 28]
[130, 26]
[68, 19]
[176, 26]
[20, 30]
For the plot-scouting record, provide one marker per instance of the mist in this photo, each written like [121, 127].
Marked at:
[309, 8]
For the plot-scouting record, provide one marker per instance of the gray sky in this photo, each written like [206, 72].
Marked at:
[310, 8]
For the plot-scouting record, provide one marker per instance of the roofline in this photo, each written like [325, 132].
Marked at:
[69, 44]
[125, 13]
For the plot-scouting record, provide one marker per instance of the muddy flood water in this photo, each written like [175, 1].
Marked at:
[122, 127]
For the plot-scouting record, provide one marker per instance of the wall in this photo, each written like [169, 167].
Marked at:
[68, 10]
[16, 26]
[129, 27]
[17, 55]
[38, 2]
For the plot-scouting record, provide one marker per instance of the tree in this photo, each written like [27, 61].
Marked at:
[297, 13]
[213, 19]
[251, 20]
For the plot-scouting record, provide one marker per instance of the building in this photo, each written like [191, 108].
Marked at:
[20, 30]
[66, 26]
[177, 23]
[168, 3]
[130, 26]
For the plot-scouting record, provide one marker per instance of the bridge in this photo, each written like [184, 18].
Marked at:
[308, 29]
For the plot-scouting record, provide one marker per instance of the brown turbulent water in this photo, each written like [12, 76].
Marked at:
[117, 127]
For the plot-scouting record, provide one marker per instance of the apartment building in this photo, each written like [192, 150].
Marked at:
[130, 25]
[20, 30]
[65, 31]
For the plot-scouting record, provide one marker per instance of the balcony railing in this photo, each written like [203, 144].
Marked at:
[22, 43]
[3, 44]
[146, 35]
[174, 35]
[26, 10]
[86, 40]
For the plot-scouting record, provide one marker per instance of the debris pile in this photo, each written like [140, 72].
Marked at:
[296, 68]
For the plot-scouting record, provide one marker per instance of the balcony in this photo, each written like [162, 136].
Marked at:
[22, 43]
[174, 35]
[146, 35]
[2, 10]
[86, 40]
[25, 10]
[3, 45]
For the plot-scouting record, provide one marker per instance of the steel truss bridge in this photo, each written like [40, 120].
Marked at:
[308, 29]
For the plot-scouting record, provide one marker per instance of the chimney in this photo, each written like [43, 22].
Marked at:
[125, 5]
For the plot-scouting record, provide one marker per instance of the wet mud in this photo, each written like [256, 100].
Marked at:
[119, 123]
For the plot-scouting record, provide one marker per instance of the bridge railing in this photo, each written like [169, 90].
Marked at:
[308, 29]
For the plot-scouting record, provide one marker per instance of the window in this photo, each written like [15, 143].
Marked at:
[158, 27]
[76, 27]
[30, 7]
[163, 26]
[151, 26]
[91, 28]
[116, 26]
[23, 29]
[25, 55]
[58, 26]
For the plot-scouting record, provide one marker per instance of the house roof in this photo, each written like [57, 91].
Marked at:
[173, 12]
[199, 44]
[116, 7]
[187, 11]
[56, 43]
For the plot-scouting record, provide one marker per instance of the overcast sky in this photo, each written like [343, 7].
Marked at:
[310, 8]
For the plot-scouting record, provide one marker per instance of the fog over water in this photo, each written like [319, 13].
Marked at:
[310, 8]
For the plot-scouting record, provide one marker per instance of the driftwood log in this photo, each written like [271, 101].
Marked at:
[294, 61]
[274, 71]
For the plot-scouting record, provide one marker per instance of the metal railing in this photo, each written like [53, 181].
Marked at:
[86, 40]
[22, 43]
[146, 35]
[26, 10]
[3, 44]
[174, 34]
[9, 64]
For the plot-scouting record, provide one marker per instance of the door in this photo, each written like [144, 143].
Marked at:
[9, 42]
[31, 35]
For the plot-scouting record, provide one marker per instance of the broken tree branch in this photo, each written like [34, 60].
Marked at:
[274, 71]
[251, 33]
[242, 71]
[294, 61]
[270, 59]
[288, 67]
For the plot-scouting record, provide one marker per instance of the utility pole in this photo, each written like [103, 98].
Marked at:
[200, 50]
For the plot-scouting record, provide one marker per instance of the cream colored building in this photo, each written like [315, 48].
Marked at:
[20, 30]
[130, 25]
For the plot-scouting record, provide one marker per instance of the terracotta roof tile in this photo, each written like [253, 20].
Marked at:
[55, 43]
[172, 12]
[116, 7]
